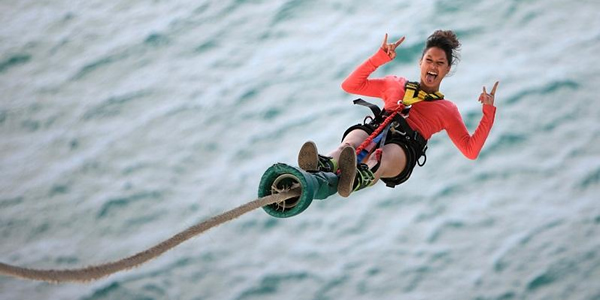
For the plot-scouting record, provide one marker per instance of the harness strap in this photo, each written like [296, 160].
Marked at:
[376, 142]
[382, 115]
[375, 133]
[414, 94]
[413, 135]
[374, 108]
[377, 138]
[410, 133]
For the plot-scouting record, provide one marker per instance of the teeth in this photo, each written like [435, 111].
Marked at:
[431, 73]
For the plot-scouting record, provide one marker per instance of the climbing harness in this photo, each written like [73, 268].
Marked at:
[395, 122]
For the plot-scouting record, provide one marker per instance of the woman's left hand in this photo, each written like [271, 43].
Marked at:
[486, 98]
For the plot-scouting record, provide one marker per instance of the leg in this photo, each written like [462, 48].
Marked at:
[346, 156]
[309, 158]
[354, 139]
[393, 162]
[393, 158]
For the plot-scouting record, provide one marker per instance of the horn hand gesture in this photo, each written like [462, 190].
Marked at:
[486, 98]
[390, 48]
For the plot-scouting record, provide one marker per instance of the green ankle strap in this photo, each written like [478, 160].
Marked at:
[364, 177]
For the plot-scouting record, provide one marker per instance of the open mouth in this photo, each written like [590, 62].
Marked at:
[430, 77]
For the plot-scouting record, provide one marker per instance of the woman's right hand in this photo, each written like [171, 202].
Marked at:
[390, 49]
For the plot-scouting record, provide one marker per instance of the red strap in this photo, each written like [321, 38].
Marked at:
[375, 133]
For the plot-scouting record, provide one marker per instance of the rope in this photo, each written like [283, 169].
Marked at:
[96, 272]
[375, 133]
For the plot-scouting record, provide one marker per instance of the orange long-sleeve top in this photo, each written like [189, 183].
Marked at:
[426, 117]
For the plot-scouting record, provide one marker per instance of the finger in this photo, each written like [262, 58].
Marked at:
[397, 43]
[384, 41]
[494, 88]
[484, 91]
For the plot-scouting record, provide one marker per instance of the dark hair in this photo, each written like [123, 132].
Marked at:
[447, 41]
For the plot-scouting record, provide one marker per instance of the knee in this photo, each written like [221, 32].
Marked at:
[393, 161]
[343, 145]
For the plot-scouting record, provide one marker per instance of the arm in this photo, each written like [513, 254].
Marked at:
[359, 83]
[470, 145]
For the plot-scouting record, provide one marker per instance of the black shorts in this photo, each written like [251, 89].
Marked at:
[411, 149]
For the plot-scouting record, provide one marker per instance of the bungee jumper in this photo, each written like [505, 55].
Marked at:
[388, 145]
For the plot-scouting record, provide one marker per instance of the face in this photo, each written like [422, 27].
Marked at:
[434, 67]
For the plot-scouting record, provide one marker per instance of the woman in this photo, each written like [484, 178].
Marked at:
[421, 111]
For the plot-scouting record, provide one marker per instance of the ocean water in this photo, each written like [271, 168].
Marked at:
[123, 123]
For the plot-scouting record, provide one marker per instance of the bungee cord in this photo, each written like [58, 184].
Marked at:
[99, 271]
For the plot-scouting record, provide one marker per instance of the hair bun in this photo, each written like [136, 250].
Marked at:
[446, 36]
[445, 40]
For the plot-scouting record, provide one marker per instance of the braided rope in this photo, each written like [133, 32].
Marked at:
[98, 271]
[375, 133]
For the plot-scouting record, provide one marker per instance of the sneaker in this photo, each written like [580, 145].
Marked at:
[364, 177]
[310, 160]
[347, 171]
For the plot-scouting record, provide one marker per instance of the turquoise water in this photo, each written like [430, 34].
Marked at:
[124, 123]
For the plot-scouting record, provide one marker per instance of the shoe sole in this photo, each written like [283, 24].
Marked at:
[308, 157]
[347, 169]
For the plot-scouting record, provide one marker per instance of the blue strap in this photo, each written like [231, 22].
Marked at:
[379, 140]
